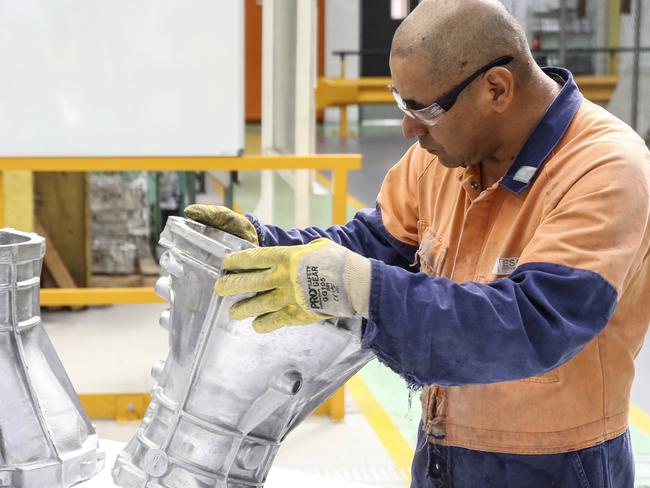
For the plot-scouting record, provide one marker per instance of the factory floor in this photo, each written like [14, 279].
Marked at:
[112, 349]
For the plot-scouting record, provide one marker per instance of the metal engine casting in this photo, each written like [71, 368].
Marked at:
[226, 396]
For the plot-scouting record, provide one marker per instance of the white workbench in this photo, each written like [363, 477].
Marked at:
[278, 477]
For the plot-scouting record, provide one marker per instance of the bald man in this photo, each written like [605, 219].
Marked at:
[505, 269]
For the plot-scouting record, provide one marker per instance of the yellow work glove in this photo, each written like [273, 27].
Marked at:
[224, 219]
[296, 285]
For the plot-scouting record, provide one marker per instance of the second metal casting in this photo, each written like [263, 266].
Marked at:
[46, 439]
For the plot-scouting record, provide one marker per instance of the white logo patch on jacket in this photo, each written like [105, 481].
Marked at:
[505, 266]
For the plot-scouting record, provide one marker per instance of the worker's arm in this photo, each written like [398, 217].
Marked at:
[302, 276]
[365, 234]
[561, 295]
[368, 232]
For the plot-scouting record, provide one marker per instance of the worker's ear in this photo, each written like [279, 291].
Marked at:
[498, 88]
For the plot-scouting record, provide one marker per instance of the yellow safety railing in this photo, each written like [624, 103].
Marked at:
[341, 92]
[130, 406]
[598, 89]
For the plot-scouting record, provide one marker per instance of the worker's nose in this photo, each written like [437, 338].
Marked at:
[412, 127]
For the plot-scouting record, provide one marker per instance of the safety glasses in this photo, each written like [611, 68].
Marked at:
[431, 115]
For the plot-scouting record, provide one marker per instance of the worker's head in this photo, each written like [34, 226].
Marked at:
[471, 59]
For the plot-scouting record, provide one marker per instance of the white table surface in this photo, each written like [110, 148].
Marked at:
[278, 477]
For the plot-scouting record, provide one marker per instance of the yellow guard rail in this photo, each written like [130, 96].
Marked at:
[341, 92]
[132, 406]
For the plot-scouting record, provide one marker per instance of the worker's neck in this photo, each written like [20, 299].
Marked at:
[526, 114]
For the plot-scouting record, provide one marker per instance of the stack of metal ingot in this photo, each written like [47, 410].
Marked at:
[46, 439]
[120, 222]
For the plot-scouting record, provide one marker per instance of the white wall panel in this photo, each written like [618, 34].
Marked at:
[121, 77]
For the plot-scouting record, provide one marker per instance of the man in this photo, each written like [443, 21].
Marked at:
[505, 268]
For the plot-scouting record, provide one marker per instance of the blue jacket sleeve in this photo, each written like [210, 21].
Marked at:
[452, 334]
[365, 234]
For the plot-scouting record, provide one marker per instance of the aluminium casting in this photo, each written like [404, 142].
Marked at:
[226, 397]
[46, 439]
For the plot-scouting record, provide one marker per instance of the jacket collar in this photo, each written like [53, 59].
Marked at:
[546, 135]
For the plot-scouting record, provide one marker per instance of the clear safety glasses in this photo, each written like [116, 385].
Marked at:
[431, 115]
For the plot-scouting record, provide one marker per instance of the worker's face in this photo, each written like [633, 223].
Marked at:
[460, 136]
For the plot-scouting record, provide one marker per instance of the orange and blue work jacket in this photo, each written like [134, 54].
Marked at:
[529, 300]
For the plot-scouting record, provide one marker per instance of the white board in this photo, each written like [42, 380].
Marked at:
[121, 77]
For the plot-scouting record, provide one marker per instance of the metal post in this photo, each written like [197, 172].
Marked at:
[634, 118]
[288, 103]
[305, 115]
[562, 41]
[264, 208]
[343, 109]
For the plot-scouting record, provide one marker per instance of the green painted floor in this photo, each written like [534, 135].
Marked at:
[401, 404]
[641, 449]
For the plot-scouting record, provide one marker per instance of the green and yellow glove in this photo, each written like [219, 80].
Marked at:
[296, 285]
[224, 219]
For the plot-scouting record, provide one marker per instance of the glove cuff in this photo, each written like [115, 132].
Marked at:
[356, 278]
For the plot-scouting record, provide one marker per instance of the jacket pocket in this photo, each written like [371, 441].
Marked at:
[579, 470]
[433, 250]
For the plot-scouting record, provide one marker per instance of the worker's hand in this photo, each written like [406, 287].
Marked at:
[296, 285]
[223, 219]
